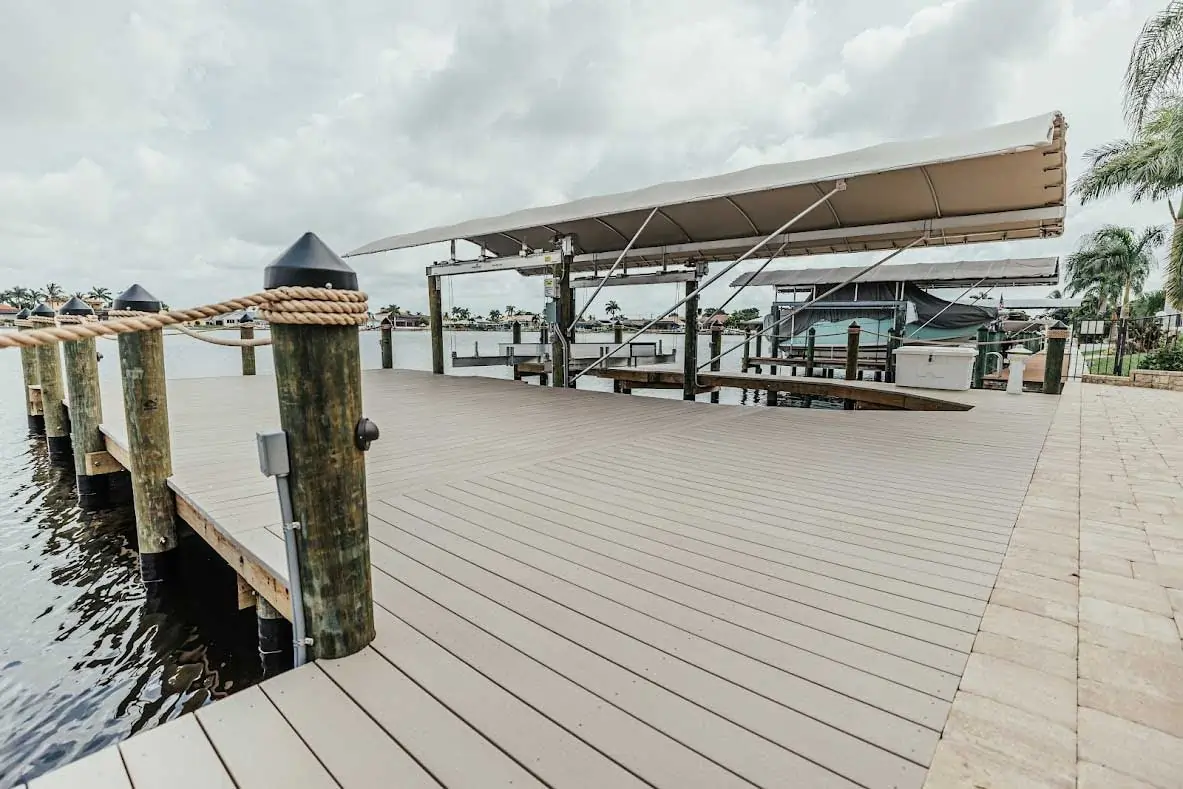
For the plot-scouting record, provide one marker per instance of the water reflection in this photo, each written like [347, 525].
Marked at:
[85, 658]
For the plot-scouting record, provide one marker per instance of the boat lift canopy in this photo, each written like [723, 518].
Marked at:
[1001, 183]
[953, 274]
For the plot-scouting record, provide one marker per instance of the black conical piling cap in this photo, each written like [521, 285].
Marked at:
[42, 310]
[309, 263]
[23, 315]
[246, 318]
[138, 299]
[1059, 325]
[76, 306]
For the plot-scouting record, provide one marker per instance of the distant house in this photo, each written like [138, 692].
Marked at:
[521, 317]
[718, 319]
[230, 318]
[402, 320]
[7, 310]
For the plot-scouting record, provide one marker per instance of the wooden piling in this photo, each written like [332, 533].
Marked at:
[35, 413]
[53, 393]
[690, 343]
[145, 408]
[275, 638]
[564, 317]
[810, 349]
[246, 331]
[436, 323]
[716, 349]
[1053, 370]
[93, 467]
[771, 396]
[515, 337]
[853, 334]
[979, 371]
[747, 349]
[759, 350]
[543, 339]
[618, 333]
[321, 412]
[386, 343]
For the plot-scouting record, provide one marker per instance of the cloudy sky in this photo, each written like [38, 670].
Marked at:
[183, 143]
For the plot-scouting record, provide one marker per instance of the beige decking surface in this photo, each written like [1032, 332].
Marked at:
[584, 589]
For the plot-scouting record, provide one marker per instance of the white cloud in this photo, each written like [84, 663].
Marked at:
[186, 142]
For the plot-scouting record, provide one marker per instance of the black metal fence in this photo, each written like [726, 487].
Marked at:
[1102, 346]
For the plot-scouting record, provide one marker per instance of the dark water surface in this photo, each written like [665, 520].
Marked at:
[85, 658]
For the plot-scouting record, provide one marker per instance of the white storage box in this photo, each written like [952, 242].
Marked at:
[935, 367]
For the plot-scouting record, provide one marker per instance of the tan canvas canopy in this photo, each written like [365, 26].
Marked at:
[953, 274]
[1001, 183]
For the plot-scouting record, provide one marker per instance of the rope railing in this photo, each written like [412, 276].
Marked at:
[225, 341]
[287, 305]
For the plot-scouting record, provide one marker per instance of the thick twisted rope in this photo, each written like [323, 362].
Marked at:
[234, 343]
[291, 305]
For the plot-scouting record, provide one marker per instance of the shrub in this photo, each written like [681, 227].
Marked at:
[1168, 357]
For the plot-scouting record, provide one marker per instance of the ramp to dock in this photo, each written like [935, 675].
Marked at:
[579, 589]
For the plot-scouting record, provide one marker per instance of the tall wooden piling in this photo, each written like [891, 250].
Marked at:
[145, 409]
[246, 331]
[853, 335]
[543, 340]
[515, 337]
[690, 343]
[564, 303]
[32, 381]
[810, 350]
[386, 343]
[93, 467]
[318, 376]
[1053, 370]
[747, 349]
[618, 333]
[771, 396]
[53, 393]
[759, 350]
[716, 349]
[436, 323]
[979, 371]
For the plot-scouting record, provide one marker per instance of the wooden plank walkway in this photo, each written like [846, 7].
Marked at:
[583, 589]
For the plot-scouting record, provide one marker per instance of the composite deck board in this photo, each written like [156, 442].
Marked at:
[100, 770]
[800, 624]
[579, 589]
[356, 751]
[177, 755]
[679, 631]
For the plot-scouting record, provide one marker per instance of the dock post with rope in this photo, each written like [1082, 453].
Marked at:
[93, 466]
[327, 436]
[31, 379]
[145, 408]
[53, 392]
[246, 332]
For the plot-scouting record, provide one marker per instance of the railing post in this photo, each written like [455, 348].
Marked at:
[49, 373]
[1053, 369]
[690, 343]
[716, 349]
[32, 380]
[436, 323]
[92, 465]
[145, 409]
[318, 377]
[386, 342]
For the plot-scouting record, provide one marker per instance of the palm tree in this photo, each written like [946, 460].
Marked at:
[612, 308]
[53, 292]
[494, 315]
[99, 294]
[511, 309]
[1156, 64]
[1150, 166]
[1112, 263]
[392, 309]
[79, 294]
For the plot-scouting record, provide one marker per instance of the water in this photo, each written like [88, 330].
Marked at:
[85, 659]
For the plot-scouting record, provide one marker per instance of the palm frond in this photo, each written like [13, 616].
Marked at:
[1155, 63]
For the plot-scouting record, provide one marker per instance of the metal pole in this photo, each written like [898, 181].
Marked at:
[834, 289]
[290, 536]
[840, 186]
[615, 265]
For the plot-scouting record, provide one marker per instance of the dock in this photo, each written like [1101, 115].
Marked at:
[577, 588]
